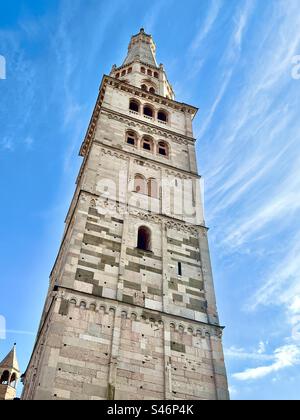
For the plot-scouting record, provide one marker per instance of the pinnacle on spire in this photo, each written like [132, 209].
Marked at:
[141, 48]
[11, 361]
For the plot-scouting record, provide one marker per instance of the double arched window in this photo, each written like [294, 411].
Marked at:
[144, 238]
[151, 89]
[143, 186]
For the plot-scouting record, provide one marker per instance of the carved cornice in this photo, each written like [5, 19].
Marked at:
[113, 207]
[146, 162]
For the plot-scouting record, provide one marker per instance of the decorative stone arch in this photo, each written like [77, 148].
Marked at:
[93, 307]
[82, 305]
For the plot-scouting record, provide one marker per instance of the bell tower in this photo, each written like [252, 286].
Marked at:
[131, 310]
[9, 375]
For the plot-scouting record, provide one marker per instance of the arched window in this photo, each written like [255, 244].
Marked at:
[152, 90]
[129, 70]
[149, 72]
[131, 138]
[140, 184]
[123, 73]
[144, 87]
[4, 378]
[147, 144]
[73, 302]
[134, 105]
[152, 188]
[82, 305]
[117, 75]
[156, 75]
[143, 70]
[162, 116]
[13, 380]
[148, 111]
[144, 238]
[163, 149]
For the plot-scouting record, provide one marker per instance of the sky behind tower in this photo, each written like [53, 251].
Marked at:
[236, 61]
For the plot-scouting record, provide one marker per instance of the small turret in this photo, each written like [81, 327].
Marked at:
[9, 375]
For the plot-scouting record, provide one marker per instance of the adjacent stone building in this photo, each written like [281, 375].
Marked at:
[9, 376]
[131, 310]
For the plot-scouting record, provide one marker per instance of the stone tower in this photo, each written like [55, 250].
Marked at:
[131, 311]
[9, 376]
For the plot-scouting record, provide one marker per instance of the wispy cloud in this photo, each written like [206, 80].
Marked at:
[241, 354]
[228, 63]
[206, 26]
[284, 357]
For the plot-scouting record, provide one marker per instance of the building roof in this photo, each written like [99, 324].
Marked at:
[11, 361]
[141, 48]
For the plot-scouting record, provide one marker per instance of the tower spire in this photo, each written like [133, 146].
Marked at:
[9, 375]
[141, 48]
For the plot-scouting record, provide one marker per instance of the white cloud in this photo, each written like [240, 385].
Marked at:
[242, 354]
[284, 357]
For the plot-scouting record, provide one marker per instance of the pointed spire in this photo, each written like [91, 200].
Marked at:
[10, 361]
[141, 48]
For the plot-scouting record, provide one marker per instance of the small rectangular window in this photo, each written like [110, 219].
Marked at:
[146, 146]
[179, 269]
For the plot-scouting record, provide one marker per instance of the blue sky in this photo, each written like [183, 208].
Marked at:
[233, 59]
